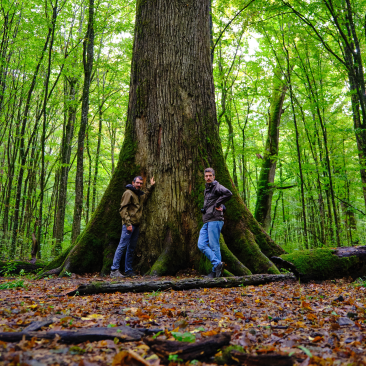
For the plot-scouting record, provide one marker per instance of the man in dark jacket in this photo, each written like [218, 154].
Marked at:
[131, 211]
[213, 220]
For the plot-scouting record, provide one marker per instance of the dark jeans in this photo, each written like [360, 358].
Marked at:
[126, 244]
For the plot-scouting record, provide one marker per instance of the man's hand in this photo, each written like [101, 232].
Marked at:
[129, 228]
[152, 181]
[219, 209]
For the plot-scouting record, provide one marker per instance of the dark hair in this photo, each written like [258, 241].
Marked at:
[138, 177]
[210, 170]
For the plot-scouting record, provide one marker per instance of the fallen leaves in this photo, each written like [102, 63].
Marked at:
[129, 358]
[327, 319]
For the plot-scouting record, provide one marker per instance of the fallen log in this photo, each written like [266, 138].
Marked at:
[324, 263]
[189, 351]
[14, 267]
[262, 360]
[178, 285]
[124, 334]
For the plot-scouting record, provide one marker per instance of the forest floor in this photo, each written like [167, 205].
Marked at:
[319, 324]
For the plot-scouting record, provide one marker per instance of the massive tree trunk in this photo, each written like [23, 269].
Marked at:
[172, 134]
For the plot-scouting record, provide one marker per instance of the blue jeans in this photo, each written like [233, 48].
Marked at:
[208, 241]
[126, 244]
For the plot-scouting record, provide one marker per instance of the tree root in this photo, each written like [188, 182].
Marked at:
[51, 272]
[178, 285]
[233, 263]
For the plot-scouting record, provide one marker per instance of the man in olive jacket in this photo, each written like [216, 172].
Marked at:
[213, 221]
[131, 211]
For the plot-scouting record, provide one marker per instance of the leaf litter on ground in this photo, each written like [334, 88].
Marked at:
[316, 324]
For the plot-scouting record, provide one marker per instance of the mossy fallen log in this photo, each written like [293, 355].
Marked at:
[178, 285]
[325, 263]
[14, 267]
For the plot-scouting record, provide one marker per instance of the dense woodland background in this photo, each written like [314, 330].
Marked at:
[290, 95]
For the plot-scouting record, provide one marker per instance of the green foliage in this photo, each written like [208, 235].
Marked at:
[184, 337]
[174, 358]
[76, 350]
[360, 282]
[12, 284]
[8, 268]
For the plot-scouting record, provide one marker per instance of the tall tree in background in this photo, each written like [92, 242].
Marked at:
[172, 134]
[335, 20]
[268, 170]
[88, 57]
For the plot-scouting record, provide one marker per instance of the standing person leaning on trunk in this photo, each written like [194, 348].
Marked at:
[131, 211]
[213, 221]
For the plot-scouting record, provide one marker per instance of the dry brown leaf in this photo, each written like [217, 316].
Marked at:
[129, 358]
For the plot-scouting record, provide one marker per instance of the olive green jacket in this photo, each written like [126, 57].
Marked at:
[132, 204]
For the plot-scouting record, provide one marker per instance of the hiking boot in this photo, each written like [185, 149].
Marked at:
[218, 269]
[130, 274]
[211, 275]
[116, 273]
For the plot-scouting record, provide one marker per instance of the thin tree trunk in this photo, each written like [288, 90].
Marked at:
[23, 150]
[268, 170]
[88, 56]
[87, 206]
[44, 124]
[305, 236]
[96, 168]
[71, 107]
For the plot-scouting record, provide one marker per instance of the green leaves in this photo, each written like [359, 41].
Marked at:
[184, 337]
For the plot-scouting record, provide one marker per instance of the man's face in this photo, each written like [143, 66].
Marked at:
[209, 177]
[137, 184]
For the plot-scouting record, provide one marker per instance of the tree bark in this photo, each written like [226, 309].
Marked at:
[172, 134]
[266, 177]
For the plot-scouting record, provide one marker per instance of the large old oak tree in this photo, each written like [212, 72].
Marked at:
[172, 134]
